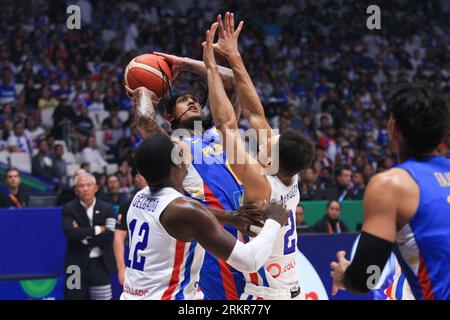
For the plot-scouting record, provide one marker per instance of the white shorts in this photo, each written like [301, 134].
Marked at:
[253, 292]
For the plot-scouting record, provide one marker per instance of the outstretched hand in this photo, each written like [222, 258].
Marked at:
[208, 51]
[227, 45]
[337, 272]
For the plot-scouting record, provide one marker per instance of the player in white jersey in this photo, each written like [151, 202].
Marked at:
[278, 278]
[168, 231]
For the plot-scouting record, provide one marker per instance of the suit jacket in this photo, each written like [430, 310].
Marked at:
[22, 196]
[77, 253]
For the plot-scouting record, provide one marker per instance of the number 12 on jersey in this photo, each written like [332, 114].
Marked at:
[137, 261]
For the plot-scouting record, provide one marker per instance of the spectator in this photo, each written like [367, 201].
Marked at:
[59, 164]
[7, 129]
[343, 184]
[42, 164]
[92, 156]
[112, 135]
[120, 235]
[62, 118]
[112, 195]
[19, 141]
[325, 179]
[97, 103]
[125, 178]
[47, 101]
[308, 185]
[330, 223]
[301, 225]
[33, 131]
[359, 186]
[83, 123]
[7, 89]
[15, 195]
[88, 224]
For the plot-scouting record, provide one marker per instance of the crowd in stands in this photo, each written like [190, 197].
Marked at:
[316, 66]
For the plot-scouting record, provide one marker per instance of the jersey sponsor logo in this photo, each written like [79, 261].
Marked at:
[276, 269]
[145, 203]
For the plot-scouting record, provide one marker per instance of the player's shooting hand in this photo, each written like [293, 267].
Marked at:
[248, 214]
[177, 64]
[337, 272]
[276, 211]
[227, 45]
[208, 51]
[140, 93]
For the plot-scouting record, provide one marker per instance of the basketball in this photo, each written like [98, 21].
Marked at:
[150, 71]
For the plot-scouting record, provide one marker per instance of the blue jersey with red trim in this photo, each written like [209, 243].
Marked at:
[424, 243]
[211, 181]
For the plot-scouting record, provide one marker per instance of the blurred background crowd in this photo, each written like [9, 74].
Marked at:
[316, 66]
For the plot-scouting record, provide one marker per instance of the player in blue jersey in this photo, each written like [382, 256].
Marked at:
[210, 180]
[408, 205]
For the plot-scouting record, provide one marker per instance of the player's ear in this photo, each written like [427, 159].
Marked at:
[393, 128]
[170, 117]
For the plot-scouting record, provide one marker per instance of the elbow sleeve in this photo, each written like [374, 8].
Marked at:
[251, 256]
[370, 258]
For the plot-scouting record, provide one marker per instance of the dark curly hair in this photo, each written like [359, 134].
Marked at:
[296, 152]
[421, 114]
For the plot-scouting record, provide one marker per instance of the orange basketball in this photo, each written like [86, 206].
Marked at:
[150, 71]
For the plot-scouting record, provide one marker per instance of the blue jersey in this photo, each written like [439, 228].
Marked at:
[211, 182]
[424, 243]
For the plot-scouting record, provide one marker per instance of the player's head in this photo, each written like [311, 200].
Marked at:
[295, 152]
[153, 160]
[419, 119]
[183, 109]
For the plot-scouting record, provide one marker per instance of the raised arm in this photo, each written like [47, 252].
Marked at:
[145, 111]
[187, 220]
[227, 46]
[184, 64]
[247, 169]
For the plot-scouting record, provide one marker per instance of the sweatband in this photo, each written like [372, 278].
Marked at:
[251, 256]
[372, 252]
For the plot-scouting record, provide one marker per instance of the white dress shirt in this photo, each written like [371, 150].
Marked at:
[95, 251]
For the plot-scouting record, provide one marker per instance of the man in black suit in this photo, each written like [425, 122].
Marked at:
[89, 224]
